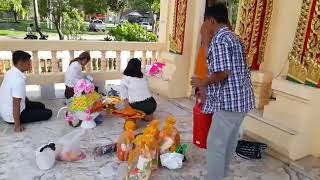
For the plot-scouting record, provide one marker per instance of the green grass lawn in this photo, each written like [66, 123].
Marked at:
[18, 30]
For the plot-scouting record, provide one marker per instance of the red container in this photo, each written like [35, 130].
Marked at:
[201, 126]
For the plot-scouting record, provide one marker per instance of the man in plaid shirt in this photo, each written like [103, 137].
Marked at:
[229, 89]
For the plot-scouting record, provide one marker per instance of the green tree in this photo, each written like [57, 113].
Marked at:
[5, 5]
[58, 8]
[16, 7]
[152, 6]
[94, 6]
[131, 32]
[117, 6]
[36, 15]
[73, 24]
[43, 8]
[233, 11]
[145, 5]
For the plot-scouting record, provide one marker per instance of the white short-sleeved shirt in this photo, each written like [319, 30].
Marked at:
[73, 74]
[29, 30]
[13, 85]
[135, 89]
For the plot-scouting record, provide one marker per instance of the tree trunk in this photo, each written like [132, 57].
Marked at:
[36, 15]
[16, 16]
[117, 21]
[57, 24]
[49, 16]
[58, 28]
[154, 21]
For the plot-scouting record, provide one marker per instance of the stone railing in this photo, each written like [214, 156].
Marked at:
[51, 58]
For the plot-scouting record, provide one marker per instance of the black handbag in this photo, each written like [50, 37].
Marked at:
[250, 150]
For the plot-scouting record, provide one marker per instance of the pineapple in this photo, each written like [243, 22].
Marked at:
[79, 104]
[92, 98]
[82, 103]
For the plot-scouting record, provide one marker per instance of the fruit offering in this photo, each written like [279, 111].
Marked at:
[125, 141]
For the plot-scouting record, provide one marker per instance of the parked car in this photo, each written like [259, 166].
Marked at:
[147, 26]
[97, 25]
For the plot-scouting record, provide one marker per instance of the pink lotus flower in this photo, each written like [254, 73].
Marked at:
[69, 117]
[89, 111]
[89, 118]
[89, 88]
[80, 87]
[83, 86]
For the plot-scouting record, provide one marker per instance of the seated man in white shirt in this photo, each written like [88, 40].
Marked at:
[29, 29]
[15, 108]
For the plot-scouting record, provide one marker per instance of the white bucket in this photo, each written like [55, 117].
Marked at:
[45, 159]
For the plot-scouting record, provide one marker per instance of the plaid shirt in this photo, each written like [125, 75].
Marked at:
[235, 94]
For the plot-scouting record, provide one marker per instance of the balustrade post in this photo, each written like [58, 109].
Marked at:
[46, 91]
[103, 60]
[132, 54]
[35, 62]
[118, 60]
[89, 67]
[11, 62]
[2, 69]
[97, 63]
[71, 54]
[54, 61]
[144, 59]
[153, 57]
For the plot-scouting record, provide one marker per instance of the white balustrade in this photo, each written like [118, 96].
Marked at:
[107, 59]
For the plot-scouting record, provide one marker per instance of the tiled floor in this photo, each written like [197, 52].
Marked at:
[17, 157]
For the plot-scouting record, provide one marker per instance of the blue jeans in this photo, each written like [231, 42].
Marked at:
[222, 142]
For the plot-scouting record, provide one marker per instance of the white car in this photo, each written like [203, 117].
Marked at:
[97, 25]
[147, 26]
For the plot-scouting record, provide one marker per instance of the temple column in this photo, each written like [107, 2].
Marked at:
[289, 124]
[183, 20]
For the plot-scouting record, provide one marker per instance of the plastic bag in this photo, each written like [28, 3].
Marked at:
[170, 137]
[70, 146]
[156, 69]
[45, 156]
[140, 160]
[172, 160]
[125, 141]
[142, 170]
[153, 133]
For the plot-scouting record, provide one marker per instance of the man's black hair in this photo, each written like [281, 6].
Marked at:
[133, 68]
[219, 12]
[20, 56]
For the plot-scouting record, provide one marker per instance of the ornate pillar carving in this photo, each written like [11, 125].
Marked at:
[252, 27]
[304, 59]
[176, 38]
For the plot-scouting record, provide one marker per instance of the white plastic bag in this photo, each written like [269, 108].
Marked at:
[172, 160]
[70, 146]
[45, 157]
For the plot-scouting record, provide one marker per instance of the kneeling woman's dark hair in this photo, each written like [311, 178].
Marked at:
[133, 68]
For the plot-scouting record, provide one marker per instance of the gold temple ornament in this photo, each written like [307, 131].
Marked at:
[253, 27]
[304, 61]
[176, 39]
